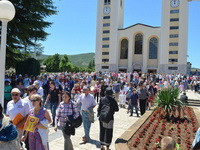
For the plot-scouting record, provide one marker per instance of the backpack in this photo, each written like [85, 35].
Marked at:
[105, 113]
[8, 133]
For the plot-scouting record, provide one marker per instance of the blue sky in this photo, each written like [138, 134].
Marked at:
[74, 27]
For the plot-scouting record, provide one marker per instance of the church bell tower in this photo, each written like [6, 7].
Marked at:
[174, 36]
[110, 18]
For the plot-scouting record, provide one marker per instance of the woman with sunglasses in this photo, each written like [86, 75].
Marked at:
[38, 140]
[66, 108]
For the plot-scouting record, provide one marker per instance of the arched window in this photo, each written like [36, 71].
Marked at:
[153, 48]
[124, 49]
[138, 43]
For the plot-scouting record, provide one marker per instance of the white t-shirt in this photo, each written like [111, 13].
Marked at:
[86, 101]
[13, 109]
[122, 98]
[40, 91]
[26, 99]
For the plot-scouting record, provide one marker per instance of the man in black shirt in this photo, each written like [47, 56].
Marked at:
[54, 97]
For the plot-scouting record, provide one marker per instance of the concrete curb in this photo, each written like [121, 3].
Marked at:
[122, 141]
[197, 113]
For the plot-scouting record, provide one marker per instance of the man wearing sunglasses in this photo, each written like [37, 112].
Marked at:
[17, 106]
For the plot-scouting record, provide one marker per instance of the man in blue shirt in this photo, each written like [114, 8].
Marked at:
[134, 102]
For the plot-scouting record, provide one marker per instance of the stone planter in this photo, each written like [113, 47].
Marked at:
[122, 142]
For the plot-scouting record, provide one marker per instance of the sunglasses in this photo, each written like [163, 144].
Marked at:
[15, 94]
[34, 100]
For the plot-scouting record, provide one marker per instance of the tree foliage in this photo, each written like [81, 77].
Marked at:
[52, 63]
[56, 63]
[27, 27]
[29, 66]
[64, 63]
[91, 65]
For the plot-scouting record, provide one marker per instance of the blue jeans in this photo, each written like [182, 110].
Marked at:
[53, 107]
[86, 125]
[136, 109]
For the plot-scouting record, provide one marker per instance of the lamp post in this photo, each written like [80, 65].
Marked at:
[7, 13]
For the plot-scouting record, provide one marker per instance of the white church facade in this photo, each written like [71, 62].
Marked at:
[142, 47]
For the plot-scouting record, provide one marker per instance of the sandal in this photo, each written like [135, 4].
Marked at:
[84, 139]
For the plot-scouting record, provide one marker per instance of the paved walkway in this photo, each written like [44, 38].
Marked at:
[193, 95]
[122, 123]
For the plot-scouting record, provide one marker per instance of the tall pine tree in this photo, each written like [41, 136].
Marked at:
[27, 27]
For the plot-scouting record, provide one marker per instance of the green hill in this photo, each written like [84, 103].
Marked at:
[81, 60]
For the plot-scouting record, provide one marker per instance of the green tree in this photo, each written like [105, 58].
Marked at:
[91, 65]
[48, 62]
[13, 56]
[70, 67]
[27, 27]
[64, 63]
[52, 63]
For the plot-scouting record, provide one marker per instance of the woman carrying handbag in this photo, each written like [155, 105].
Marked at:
[66, 108]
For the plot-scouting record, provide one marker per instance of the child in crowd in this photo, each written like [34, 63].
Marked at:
[122, 100]
[134, 102]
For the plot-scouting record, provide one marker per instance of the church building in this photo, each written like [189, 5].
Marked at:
[142, 47]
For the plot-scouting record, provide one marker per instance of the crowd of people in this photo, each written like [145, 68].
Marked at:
[76, 94]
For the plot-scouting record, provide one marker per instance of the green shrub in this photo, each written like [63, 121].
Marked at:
[29, 66]
[167, 98]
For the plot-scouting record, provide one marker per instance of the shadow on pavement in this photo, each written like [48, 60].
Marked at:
[119, 140]
[94, 142]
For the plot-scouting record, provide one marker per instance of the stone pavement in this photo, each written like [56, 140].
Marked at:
[193, 95]
[121, 123]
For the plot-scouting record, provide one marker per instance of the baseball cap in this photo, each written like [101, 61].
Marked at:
[7, 80]
[35, 83]
[15, 90]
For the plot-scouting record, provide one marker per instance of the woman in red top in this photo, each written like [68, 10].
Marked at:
[76, 89]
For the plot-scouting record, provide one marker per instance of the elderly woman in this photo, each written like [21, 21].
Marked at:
[38, 140]
[8, 133]
[66, 109]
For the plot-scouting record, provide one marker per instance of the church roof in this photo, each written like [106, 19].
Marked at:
[139, 24]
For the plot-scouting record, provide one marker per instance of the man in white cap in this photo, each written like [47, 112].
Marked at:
[16, 106]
